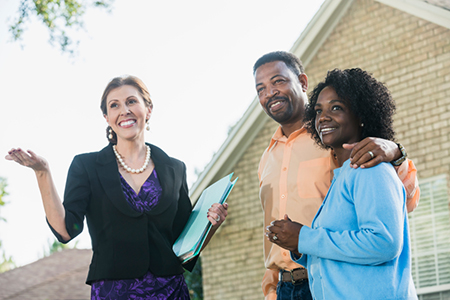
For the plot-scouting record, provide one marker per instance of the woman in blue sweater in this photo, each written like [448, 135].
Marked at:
[358, 244]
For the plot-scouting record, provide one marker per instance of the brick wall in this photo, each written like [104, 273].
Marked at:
[412, 57]
[233, 262]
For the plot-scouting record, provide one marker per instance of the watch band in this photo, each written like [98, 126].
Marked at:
[399, 161]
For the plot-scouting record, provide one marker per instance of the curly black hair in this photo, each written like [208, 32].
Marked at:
[367, 98]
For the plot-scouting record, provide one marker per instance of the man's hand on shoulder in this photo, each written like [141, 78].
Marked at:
[372, 151]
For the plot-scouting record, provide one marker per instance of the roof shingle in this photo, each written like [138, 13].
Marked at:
[59, 276]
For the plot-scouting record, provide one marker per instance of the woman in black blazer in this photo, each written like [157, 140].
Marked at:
[135, 199]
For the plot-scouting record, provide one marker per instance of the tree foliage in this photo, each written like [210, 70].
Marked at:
[55, 246]
[3, 192]
[58, 16]
[6, 263]
[194, 281]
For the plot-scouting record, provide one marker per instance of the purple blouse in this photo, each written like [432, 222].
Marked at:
[149, 286]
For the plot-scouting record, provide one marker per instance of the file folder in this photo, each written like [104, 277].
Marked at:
[191, 239]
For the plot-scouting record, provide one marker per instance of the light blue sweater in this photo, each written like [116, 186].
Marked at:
[358, 244]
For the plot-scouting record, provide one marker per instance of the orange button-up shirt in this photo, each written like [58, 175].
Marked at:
[294, 177]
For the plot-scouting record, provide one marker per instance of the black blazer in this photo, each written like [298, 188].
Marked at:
[126, 243]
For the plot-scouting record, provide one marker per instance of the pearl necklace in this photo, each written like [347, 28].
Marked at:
[127, 168]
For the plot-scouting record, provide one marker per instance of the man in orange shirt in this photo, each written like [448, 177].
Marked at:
[295, 175]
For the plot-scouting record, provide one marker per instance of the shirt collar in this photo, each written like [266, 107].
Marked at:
[278, 136]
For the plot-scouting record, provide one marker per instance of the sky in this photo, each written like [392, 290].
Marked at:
[195, 57]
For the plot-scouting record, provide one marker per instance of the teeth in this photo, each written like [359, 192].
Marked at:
[127, 123]
[326, 129]
[273, 104]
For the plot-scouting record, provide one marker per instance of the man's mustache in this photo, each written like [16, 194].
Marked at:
[274, 99]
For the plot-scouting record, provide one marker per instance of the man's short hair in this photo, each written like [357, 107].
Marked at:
[291, 61]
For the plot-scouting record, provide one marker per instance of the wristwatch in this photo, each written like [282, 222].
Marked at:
[399, 161]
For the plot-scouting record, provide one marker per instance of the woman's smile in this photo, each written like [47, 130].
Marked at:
[127, 113]
[127, 123]
[335, 122]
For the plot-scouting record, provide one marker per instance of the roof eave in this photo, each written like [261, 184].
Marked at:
[429, 12]
[232, 149]
[254, 118]
[306, 46]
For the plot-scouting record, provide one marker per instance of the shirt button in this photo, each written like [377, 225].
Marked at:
[283, 196]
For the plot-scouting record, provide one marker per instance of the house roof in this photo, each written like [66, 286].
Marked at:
[441, 3]
[306, 46]
[434, 11]
[61, 275]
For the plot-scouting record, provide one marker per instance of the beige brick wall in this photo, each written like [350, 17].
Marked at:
[412, 57]
[233, 262]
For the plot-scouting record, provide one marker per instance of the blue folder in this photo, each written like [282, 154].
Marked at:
[191, 239]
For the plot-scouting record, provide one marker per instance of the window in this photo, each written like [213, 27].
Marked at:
[430, 240]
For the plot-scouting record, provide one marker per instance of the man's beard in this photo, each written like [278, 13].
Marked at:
[284, 116]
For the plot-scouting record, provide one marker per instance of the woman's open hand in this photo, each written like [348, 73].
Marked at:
[28, 159]
[217, 214]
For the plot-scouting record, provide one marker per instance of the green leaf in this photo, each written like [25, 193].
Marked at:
[58, 16]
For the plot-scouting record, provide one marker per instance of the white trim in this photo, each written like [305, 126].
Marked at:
[306, 46]
[319, 28]
[422, 9]
[434, 178]
[435, 251]
[232, 149]
[255, 118]
[433, 289]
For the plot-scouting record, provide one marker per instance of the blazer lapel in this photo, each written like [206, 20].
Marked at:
[166, 176]
[108, 174]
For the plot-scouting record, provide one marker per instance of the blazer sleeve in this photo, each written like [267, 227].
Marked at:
[76, 199]
[183, 213]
